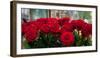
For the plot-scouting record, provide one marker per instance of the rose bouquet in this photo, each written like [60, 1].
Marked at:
[54, 32]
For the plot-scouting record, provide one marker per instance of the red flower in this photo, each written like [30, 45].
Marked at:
[30, 31]
[87, 30]
[63, 20]
[23, 28]
[31, 34]
[45, 28]
[54, 27]
[50, 27]
[77, 24]
[42, 20]
[52, 20]
[67, 27]
[67, 38]
[35, 23]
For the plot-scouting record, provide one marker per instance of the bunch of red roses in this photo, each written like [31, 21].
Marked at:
[54, 32]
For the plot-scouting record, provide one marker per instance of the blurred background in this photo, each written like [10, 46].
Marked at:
[32, 14]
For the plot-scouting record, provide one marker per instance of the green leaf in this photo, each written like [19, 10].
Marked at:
[88, 42]
[26, 45]
[39, 44]
[78, 39]
[51, 40]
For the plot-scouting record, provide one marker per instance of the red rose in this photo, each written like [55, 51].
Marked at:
[67, 27]
[63, 20]
[42, 20]
[67, 38]
[87, 30]
[37, 25]
[31, 35]
[30, 31]
[52, 20]
[24, 26]
[54, 27]
[77, 24]
[46, 20]
[50, 27]
[45, 28]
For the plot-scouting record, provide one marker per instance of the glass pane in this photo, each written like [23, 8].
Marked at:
[38, 13]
